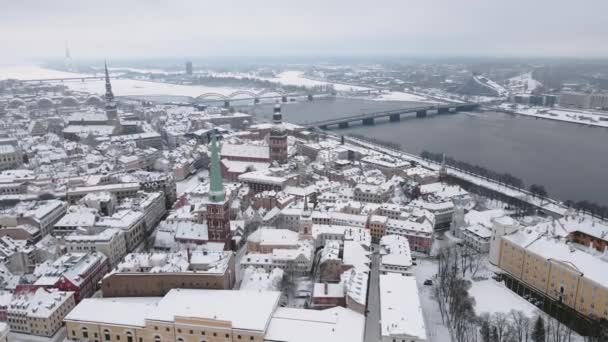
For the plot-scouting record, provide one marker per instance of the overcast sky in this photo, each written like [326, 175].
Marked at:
[199, 28]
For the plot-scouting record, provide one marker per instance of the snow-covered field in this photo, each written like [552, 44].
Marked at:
[127, 87]
[567, 115]
[34, 72]
[401, 96]
[296, 78]
[492, 296]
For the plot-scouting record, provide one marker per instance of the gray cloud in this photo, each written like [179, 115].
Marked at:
[160, 28]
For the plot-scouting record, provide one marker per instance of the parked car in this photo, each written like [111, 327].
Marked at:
[428, 282]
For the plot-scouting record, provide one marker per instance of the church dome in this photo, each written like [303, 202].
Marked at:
[69, 101]
[45, 103]
[94, 100]
[16, 103]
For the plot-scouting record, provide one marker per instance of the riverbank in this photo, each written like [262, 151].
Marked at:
[580, 117]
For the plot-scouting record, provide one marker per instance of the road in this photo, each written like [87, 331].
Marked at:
[372, 322]
[436, 329]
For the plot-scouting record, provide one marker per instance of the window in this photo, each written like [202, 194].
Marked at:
[157, 338]
[106, 335]
[85, 333]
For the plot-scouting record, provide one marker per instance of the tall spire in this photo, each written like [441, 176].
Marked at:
[109, 94]
[216, 188]
[277, 117]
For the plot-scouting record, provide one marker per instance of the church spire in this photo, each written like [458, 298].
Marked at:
[277, 117]
[109, 94]
[216, 188]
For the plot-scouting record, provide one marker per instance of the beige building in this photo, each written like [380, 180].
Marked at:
[178, 316]
[558, 270]
[210, 316]
[39, 313]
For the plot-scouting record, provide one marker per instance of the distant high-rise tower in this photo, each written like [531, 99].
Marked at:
[68, 59]
[188, 68]
[111, 109]
[277, 140]
[218, 209]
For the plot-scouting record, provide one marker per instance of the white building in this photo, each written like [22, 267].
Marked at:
[76, 218]
[401, 316]
[293, 261]
[111, 242]
[395, 254]
[131, 222]
[39, 313]
[477, 237]
[10, 157]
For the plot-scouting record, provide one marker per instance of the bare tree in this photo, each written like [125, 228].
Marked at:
[500, 321]
[521, 326]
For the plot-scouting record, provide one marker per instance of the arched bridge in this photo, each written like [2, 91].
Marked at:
[246, 95]
[393, 115]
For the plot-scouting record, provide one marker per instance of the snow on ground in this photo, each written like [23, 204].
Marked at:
[25, 72]
[296, 78]
[436, 330]
[127, 87]
[492, 296]
[145, 71]
[402, 96]
[568, 115]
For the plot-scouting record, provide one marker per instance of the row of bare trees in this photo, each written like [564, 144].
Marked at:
[516, 326]
[451, 292]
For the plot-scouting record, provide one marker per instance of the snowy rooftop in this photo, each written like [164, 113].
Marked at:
[78, 216]
[356, 255]
[483, 218]
[160, 262]
[244, 151]
[400, 310]
[395, 250]
[301, 325]
[277, 237]
[259, 280]
[41, 303]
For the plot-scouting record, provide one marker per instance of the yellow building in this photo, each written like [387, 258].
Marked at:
[559, 270]
[210, 316]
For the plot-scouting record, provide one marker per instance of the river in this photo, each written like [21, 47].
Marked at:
[570, 160]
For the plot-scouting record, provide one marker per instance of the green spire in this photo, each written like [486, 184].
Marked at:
[216, 188]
